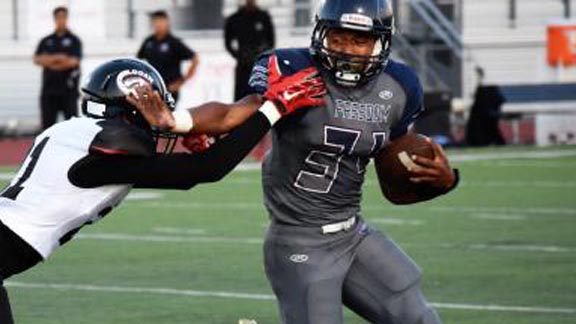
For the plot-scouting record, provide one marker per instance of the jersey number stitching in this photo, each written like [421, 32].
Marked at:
[12, 192]
[322, 167]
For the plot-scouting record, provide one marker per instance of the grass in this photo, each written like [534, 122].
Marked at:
[506, 237]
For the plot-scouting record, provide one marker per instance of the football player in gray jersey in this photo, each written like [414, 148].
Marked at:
[319, 253]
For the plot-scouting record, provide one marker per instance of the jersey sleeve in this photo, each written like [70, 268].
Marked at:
[414, 100]
[183, 51]
[41, 48]
[141, 54]
[258, 81]
[119, 139]
[77, 49]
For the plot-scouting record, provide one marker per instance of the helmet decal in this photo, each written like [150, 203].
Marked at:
[127, 80]
[356, 21]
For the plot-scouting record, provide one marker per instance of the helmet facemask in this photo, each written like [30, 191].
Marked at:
[350, 70]
[165, 141]
[373, 18]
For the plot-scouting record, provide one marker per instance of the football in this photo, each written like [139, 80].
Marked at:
[392, 164]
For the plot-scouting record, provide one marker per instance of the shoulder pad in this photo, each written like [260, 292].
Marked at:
[404, 75]
[119, 138]
[292, 60]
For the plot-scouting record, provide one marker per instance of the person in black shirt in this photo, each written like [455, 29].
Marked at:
[59, 54]
[166, 53]
[248, 33]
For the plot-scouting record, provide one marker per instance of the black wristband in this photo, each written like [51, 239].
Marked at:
[280, 106]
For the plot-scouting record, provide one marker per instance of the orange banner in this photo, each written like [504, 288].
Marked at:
[562, 45]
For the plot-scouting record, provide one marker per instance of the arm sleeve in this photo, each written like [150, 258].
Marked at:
[414, 102]
[40, 48]
[141, 52]
[176, 171]
[77, 51]
[229, 37]
[185, 52]
[271, 36]
[258, 81]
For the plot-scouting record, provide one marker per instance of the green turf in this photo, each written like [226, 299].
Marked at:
[474, 246]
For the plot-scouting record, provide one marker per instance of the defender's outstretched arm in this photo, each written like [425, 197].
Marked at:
[183, 171]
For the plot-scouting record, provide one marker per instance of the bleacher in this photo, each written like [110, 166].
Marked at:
[511, 52]
[507, 55]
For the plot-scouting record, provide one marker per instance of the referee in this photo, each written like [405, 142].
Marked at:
[166, 53]
[59, 54]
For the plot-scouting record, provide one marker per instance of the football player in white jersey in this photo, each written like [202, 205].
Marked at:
[97, 159]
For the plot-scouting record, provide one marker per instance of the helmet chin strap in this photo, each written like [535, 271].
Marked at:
[347, 78]
[344, 74]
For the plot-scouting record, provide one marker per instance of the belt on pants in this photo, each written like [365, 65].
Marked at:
[341, 226]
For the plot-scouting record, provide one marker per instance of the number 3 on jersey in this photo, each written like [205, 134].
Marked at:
[322, 166]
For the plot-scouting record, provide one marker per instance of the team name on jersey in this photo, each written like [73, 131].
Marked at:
[362, 111]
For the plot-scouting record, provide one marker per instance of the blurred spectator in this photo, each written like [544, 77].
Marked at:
[248, 33]
[166, 53]
[59, 54]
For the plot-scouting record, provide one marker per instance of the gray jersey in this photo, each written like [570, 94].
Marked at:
[315, 170]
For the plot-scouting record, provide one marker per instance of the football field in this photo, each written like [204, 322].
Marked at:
[499, 250]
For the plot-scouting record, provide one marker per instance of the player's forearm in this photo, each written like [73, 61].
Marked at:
[217, 118]
[176, 171]
[226, 154]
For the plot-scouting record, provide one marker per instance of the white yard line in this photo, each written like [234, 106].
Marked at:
[396, 221]
[198, 205]
[546, 164]
[264, 297]
[382, 207]
[179, 231]
[520, 184]
[488, 184]
[466, 157]
[498, 217]
[518, 247]
[6, 176]
[506, 210]
[498, 308]
[248, 167]
[168, 239]
[143, 195]
[259, 241]
[138, 290]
